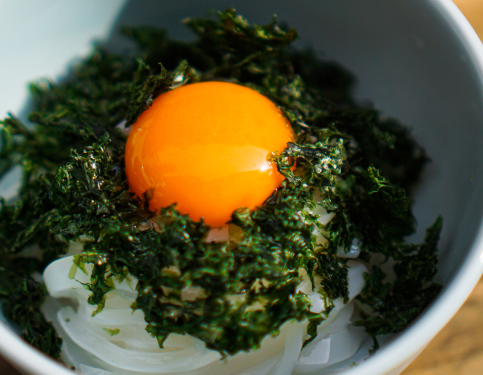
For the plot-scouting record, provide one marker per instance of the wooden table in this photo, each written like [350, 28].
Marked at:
[458, 348]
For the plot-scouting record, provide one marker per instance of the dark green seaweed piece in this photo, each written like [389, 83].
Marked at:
[394, 304]
[22, 298]
[346, 158]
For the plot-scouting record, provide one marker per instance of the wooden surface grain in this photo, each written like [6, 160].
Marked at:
[458, 348]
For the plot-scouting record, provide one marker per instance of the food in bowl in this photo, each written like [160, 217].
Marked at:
[155, 284]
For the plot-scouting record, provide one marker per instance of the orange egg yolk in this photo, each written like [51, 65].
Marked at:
[206, 147]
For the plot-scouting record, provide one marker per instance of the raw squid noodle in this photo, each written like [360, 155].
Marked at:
[115, 341]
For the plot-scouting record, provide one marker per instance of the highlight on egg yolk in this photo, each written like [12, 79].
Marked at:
[206, 147]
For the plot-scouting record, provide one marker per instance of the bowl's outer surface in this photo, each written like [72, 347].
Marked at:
[418, 61]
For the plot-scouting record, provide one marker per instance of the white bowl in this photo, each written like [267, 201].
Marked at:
[417, 60]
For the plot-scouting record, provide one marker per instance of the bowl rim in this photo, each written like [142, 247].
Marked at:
[398, 354]
[414, 339]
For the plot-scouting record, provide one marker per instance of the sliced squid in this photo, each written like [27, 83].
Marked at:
[115, 341]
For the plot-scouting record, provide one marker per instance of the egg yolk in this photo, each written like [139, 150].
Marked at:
[206, 147]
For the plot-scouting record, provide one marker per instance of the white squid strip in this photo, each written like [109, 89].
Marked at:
[330, 350]
[89, 347]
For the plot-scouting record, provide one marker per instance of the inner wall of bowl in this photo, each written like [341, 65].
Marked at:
[410, 64]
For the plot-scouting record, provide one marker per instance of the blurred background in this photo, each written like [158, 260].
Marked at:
[458, 348]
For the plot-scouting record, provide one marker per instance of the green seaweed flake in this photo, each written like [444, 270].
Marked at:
[112, 332]
[346, 159]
